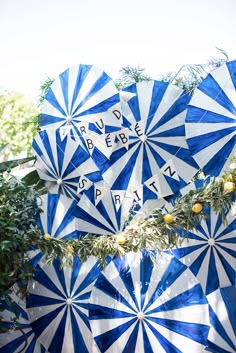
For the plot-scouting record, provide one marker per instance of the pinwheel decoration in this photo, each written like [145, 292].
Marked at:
[210, 121]
[56, 220]
[222, 335]
[157, 155]
[210, 251]
[20, 337]
[82, 94]
[137, 306]
[57, 306]
[63, 163]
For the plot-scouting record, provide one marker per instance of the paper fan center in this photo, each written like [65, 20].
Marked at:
[140, 315]
[69, 119]
[69, 301]
[211, 242]
[143, 138]
[59, 181]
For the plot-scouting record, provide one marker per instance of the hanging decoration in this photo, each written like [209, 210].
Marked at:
[210, 251]
[19, 336]
[57, 306]
[151, 151]
[66, 166]
[56, 220]
[210, 120]
[222, 306]
[143, 305]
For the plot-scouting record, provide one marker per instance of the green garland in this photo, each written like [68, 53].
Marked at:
[159, 231]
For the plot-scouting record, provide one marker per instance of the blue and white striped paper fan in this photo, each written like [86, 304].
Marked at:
[104, 217]
[56, 219]
[82, 93]
[57, 306]
[222, 335]
[210, 251]
[157, 154]
[20, 339]
[140, 305]
[211, 122]
[63, 163]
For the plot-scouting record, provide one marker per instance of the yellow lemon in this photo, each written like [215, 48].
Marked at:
[69, 249]
[47, 236]
[229, 186]
[168, 218]
[197, 207]
[120, 239]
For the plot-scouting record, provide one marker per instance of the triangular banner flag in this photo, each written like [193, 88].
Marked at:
[106, 144]
[118, 197]
[83, 184]
[83, 128]
[137, 193]
[169, 170]
[123, 137]
[153, 184]
[99, 191]
[139, 129]
[99, 123]
[115, 111]
[90, 140]
[64, 131]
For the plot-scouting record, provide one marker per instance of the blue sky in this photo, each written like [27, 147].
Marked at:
[45, 37]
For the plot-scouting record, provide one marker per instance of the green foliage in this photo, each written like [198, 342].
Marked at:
[18, 209]
[44, 88]
[17, 122]
[130, 75]
[189, 76]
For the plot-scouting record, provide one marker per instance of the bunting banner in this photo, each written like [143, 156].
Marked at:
[151, 148]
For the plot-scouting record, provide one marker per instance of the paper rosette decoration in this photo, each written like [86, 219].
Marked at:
[102, 211]
[82, 94]
[222, 335]
[56, 219]
[151, 151]
[138, 305]
[57, 306]
[22, 338]
[210, 251]
[63, 163]
[210, 121]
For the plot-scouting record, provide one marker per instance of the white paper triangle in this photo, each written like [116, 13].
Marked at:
[123, 137]
[170, 170]
[118, 197]
[64, 131]
[90, 140]
[139, 130]
[99, 123]
[83, 128]
[83, 184]
[154, 185]
[137, 193]
[106, 144]
[99, 192]
[115, 111]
